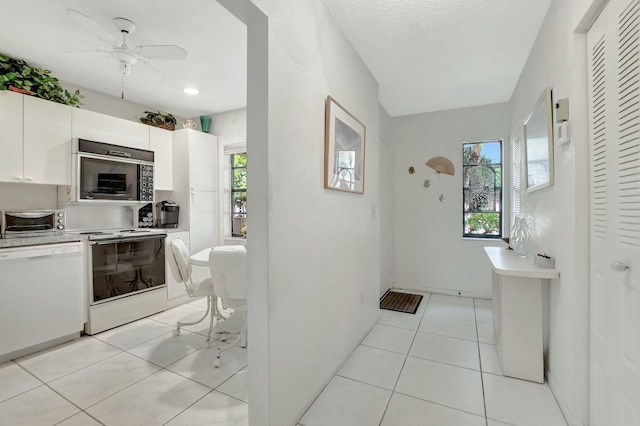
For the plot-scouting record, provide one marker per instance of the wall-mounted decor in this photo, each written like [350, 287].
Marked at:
[441, 165]
[343, 150]
[538, 133]
[412, 170]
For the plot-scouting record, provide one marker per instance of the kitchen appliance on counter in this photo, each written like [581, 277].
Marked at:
[106, 173]
[31, 223]
[145, 216]
[168, 214]
[126, 275]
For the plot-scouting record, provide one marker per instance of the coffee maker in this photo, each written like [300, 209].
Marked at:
[167, 214]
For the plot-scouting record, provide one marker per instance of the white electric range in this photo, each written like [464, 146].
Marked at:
[126, 275]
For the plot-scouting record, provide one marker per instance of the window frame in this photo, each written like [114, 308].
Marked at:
[500, 212]
[233, 191]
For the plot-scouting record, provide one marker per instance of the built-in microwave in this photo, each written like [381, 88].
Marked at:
[110, 173]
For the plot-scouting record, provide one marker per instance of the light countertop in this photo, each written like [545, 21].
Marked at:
[507, 262]
[34, 241]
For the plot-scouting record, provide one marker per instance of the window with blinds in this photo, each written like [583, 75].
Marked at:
[516, 179]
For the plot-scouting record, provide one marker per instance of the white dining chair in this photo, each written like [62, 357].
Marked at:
[181, 268]
[228, 266]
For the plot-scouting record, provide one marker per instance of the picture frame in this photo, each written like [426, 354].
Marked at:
[538, 137]
[344, 150]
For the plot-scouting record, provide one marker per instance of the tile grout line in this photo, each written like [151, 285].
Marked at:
[405, 357]
[484, 400]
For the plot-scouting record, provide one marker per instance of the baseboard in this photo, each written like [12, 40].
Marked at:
[571, 421]
[310, 402]
[435, 290]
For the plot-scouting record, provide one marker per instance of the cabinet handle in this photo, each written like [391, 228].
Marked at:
[18, 178]
[29, 179]
[619, 267]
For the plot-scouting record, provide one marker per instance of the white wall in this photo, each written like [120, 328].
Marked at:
[560, 214]
[112, 105]
[386, 197]
[319, 296]
[429, 253]
[230, 126]
[26, 196]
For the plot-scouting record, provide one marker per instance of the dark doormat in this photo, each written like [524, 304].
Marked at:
[400, 302]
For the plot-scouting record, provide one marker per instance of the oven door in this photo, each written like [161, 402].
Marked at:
[126, 266]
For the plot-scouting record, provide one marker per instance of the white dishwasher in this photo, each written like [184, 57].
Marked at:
[41, 296]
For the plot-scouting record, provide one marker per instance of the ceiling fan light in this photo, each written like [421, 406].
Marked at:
[191, 91]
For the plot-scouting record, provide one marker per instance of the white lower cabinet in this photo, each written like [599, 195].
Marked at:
[176, 293]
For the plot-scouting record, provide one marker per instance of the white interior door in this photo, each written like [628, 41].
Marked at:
[614, 66]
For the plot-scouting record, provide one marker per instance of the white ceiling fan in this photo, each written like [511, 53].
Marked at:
[125, 55]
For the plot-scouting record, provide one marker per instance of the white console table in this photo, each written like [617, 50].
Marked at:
[517, 313]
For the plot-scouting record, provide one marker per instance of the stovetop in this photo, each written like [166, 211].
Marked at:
[107, 234]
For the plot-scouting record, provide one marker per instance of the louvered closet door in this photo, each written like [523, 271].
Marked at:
[614, 79]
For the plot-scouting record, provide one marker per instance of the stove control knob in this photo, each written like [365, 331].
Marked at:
[60, 226]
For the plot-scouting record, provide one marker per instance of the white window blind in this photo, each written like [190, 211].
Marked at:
[516, 178]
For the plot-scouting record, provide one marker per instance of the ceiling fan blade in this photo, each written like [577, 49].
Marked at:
[166, 51]
[90, 25]
[159, 76]
[86, 53]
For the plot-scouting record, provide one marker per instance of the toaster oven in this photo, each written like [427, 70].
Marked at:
[31, 223]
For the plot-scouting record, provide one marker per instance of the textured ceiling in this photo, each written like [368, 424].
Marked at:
[427, 55]
[40, 32]
[431, 55]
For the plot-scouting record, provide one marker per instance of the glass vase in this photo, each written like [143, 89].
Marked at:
[205, 123]
[520, 238]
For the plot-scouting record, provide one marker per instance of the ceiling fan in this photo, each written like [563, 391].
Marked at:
[125, 55]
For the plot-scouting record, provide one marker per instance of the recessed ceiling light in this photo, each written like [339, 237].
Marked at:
[191, 91]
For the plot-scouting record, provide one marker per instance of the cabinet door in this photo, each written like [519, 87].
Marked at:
[47, 142]
[104, 128]
[11, 136]
[160, 142]
[203, 161]
[174, 289]
[203, 219]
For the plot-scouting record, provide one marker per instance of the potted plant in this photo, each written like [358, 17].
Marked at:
[17, 75]
[158, 119]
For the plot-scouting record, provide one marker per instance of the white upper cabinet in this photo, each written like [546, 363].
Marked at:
[35, 141]
[161, 143]
[11, 136]
[203, 161]
[105, 128]
[47, 142]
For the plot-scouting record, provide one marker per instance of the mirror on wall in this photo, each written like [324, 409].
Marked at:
[538, 133]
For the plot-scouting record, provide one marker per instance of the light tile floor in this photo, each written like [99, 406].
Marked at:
[137, 374]
[438, 367]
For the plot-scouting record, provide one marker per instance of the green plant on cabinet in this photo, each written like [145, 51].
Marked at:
[159, 119]
[19, 76]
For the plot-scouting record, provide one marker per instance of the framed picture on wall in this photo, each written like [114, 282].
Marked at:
[538, 134]
[344, 144]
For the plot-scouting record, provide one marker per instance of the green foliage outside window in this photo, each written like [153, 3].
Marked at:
[482, 189]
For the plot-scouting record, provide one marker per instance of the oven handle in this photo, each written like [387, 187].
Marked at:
[128, 239]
